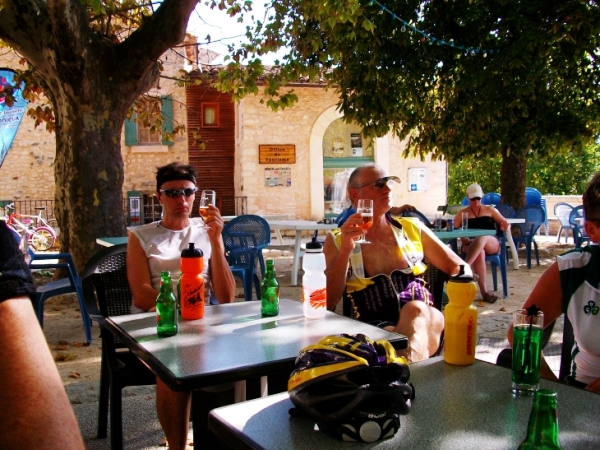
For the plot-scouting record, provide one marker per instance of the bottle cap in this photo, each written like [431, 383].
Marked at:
[314, 246]
[191, 252]
[465, 275]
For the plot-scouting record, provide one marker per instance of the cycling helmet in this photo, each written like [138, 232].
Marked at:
[352, 386]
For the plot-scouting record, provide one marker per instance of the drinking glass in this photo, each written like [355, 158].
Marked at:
[526, 354]
[464, 224]
[437, 222]
[207, 198]
[365, 208]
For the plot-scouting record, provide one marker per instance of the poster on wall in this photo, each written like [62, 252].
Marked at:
[278, 177]
[417, 179]
[11, 112]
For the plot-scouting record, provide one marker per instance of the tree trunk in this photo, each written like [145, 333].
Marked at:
[513, 178]
[89, 180]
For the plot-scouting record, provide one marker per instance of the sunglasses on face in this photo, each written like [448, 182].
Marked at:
[176, 193]
[474, 199]
[379, 184]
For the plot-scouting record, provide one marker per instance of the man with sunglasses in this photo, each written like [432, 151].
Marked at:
[157, 246]
[572, 285]
[381, 282]
[379, 184]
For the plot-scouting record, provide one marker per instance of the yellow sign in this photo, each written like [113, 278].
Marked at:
[277, 154]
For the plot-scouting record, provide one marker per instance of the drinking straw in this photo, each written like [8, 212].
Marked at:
[532, 312]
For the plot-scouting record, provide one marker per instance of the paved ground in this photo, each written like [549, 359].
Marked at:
[80, 365]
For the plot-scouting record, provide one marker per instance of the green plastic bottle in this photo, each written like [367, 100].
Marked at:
[542, 431]
[166, 308]
[269, 291]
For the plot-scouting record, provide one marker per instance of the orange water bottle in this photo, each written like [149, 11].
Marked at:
[460, 333]
[191, 283]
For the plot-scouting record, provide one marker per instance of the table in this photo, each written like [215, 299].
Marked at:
[232, 343]
[456, 407]
[298, 226]
[110, 241]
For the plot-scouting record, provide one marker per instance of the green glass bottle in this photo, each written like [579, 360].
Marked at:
[542, 431]
[166, 308]
[269, 291]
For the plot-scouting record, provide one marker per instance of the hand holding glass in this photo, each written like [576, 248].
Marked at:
[207, 198]
[365, 208]
[527, 337]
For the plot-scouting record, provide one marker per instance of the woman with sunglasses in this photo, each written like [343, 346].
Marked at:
[381, 282]
[484, 217]
[157, 246]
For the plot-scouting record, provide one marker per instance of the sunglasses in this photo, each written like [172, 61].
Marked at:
[176, 193]
[474, 198]
[379, 184]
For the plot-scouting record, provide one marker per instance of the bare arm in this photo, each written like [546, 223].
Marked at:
[439, 254]
[222, 280]
[35, 409]
[337, 260]
[498, 218]
[138, 274]
[458, 217]
[546, 295]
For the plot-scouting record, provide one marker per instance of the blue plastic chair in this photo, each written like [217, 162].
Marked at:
[491, 198]
[507, 211]
[59, 287]
[534, 197]
[245, 237]
[562, 211]
[499, 261]
[535, 217]
[465, 201]
[419, 215]
[576, 221]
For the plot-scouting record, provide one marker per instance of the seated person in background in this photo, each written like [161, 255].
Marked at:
[484, 217]
[157, 246]
[373, 278]
[35, 412]
[572, 285]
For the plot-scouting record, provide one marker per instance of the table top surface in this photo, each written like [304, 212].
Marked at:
[110, 241]
[445, 235]
[456, 407]
[233, 342]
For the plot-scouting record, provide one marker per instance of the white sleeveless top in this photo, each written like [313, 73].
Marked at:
[163, 249]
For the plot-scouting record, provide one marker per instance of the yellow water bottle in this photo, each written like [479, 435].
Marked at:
[460, 333]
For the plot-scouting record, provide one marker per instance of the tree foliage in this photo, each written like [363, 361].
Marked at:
[557, 174]
[92, 59]
[461, 78]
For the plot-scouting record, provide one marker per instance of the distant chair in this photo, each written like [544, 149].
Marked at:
[534, 216]
[419, 215]
[491, 198]
[534, 197]
[244, 238]
[562, 211]
[576, 221]
[72, 283]
[507, 211]
[499, 261]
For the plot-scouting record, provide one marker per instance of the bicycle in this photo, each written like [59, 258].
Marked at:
[40, 220]
[41, 238]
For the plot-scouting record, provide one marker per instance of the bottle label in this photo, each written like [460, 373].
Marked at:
[470, 336]
[317, 298]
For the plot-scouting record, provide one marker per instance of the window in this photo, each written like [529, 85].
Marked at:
[138, 134]
[210, 114]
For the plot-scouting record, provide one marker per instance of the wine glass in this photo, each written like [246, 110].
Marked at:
[365, 208]
[207, 198]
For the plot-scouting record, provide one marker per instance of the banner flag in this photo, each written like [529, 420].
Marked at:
[10, 116]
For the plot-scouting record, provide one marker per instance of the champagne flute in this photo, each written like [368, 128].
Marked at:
[207, 198]
[365, 208]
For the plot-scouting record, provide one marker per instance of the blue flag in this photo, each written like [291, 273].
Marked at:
[10, 116]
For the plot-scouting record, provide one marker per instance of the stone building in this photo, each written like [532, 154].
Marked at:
[258, 161]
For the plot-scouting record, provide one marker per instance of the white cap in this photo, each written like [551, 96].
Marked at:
[474, 190]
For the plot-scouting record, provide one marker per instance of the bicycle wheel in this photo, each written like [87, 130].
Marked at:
[42, 239]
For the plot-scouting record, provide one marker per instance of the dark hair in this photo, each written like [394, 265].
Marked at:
[175, 171]
[591, 198]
